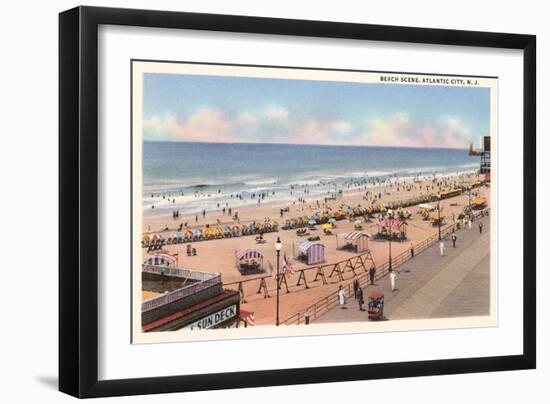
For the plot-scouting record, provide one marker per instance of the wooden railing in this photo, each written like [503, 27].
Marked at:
[177, 272]
[324, 271]
[325, 304]
[180, 293]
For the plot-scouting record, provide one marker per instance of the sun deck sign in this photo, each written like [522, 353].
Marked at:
[213, 319]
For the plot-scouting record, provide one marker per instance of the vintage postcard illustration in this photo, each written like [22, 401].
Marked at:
[310, 201]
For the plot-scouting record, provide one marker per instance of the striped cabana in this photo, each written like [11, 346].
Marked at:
[310, 252]
[355, 240]
[160, 258]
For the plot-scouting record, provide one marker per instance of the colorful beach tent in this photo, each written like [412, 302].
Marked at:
[312, 252]
[356, 239]
[249, 254]
[160, 258]
[479, 202]
[249, 261]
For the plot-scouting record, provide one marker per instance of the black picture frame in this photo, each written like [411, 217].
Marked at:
[78, 196]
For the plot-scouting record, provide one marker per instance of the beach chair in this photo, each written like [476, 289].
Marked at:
[189, 252]
[194, 251]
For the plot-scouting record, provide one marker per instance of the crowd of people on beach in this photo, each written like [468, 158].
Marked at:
[386, 187]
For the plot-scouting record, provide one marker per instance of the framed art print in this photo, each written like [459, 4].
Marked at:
[242, 195]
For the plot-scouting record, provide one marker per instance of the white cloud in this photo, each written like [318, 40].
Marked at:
[274, 124]
[452, 130]
[247, 119]
[401, 129]
[341, 127]
[316, 131]
[204, 124]
[275, 112]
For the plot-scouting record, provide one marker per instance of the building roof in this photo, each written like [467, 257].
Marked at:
[179, 314]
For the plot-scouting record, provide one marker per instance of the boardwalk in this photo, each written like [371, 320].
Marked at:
[430, 286]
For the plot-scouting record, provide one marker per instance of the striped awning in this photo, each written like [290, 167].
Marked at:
[354, 235]
[248, 254]
[392, 222]
[160, 258]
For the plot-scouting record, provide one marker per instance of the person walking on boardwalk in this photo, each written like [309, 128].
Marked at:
[360, 299]
[372, 272]
[453, 237]
[342, 297]
[469, 224]
[441, 247]
[393, 280]
[356, 288]
[480, 227]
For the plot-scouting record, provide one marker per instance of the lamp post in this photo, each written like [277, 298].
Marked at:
[439, 215]
[390, 222]
[278, 246]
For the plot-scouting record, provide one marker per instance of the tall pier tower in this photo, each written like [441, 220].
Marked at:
[485, 164]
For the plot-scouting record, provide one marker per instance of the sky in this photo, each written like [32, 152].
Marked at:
[198, 108]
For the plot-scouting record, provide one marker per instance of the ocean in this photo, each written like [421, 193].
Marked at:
[209, 176]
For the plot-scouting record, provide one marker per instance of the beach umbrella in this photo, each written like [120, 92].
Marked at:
[176, 234]
[312, 222]
[358, 221]
[144, 237]
[327, 226]
[332, 220]
[156, 236]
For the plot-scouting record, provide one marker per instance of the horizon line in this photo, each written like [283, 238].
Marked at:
[306, 144]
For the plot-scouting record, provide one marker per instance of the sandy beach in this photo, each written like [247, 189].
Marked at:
[219, 255]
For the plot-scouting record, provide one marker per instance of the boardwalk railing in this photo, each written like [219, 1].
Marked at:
[205, 281]
[325, 304]
[322, 272]
[177, 272]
